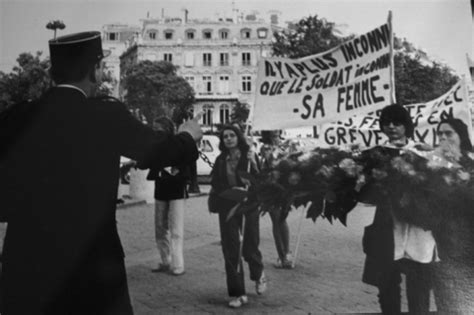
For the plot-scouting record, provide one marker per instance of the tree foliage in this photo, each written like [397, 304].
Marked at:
[107, 85]
[30, 79]
[311, 35]
[55, 25]
[417, 79]
[27, 81]
[240, 113]
[154, 89]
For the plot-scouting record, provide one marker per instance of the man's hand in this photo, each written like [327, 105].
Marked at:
[192, 127]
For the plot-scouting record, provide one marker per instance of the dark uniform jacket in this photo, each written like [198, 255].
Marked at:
[59, 158]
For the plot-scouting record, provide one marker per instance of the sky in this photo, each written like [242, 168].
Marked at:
[443, 28]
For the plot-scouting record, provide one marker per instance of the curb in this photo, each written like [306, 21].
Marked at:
[130, 203]
[198, 195]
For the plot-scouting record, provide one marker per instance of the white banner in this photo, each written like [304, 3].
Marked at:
[364, 130]
[351, 79]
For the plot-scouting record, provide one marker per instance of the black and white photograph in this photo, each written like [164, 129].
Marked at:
[236, 157]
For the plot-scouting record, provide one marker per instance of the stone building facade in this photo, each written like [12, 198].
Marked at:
[218, 58]
[115, 39]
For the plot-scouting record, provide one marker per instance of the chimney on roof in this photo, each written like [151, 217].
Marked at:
[274, 19]
[235, 12]
[185, 17]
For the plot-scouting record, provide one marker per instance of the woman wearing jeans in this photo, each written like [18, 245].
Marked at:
[235, 157]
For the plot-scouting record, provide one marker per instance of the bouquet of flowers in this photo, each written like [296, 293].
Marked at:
[326, 177]
[430, 187]
[422, 186]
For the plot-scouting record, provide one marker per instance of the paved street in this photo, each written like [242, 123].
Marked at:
[326, 279]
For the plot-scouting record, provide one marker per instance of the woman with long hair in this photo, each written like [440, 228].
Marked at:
[235, 158]
[454, 229]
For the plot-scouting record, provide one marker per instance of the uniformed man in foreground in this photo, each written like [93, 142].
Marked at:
[60, 160]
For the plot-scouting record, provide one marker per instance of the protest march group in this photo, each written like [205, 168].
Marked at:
[413, 162]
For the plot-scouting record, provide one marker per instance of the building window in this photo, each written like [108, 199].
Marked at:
[207, 59]
[113, 36]
[224, 84]
[224, 114]
[245, 33]
[190, 34]
[207, 80]
[224, 59]
[152, 35]
[207, 117]
[168, 57]
[207, 34]
[224, 34]
[188, 59]
[246, 59]
[262, 33]
[168, 35]
[246, 84]
[190, 80]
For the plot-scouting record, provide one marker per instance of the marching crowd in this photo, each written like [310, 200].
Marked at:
[62, 254]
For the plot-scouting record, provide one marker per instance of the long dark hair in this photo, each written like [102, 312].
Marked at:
[397, 114]
[461, 129]
[241, 142]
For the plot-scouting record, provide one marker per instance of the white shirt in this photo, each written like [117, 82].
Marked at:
[411, 241]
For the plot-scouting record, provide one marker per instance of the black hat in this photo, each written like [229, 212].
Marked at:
[78, 47]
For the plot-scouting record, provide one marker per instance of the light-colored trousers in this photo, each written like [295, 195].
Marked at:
[169, 232]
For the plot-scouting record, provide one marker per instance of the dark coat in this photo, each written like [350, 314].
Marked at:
[378, 241]
[170, 187]
[220, 183]
[60, 158]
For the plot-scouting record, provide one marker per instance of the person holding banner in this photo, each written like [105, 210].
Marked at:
[236, 157]
[393, 246]
[453, 231]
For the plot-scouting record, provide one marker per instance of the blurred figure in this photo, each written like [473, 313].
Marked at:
[281, 231]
